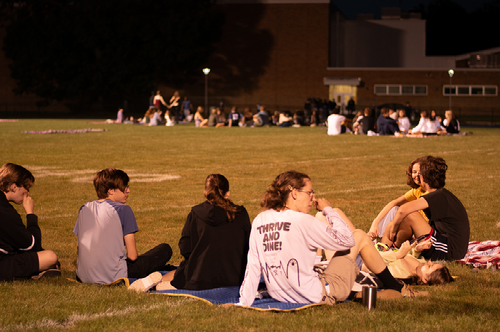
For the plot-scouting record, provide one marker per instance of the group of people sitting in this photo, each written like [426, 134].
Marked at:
[218, 118]
[396, 123]
[284, 245]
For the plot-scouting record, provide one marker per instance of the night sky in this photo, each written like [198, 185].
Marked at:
[350, 8]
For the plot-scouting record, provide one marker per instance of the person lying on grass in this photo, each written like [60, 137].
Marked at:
[284, 241]
[406, 263]
[387, 214]
[21, 252]
[103, 227]
[214, 242]
[448, 221]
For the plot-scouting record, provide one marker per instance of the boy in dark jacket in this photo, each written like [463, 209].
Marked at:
[21, 252]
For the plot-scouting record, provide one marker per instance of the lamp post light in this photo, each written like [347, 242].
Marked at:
[450, 72]
[206, 71]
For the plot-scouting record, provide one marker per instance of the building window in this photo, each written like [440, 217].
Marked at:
[400, 89]
[469, 90]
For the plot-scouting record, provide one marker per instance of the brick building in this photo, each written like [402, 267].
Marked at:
[280, 52]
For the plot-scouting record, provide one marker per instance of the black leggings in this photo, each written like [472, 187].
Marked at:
[149, 262]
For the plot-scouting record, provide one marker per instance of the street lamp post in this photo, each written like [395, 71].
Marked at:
[206, 71]
[450, 72]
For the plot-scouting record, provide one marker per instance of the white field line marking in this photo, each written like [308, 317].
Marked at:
[136, 176]
[318, 193]
[73, 319]
[86, 175]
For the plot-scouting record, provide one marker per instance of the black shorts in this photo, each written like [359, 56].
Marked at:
[21, 266]
[439, 249]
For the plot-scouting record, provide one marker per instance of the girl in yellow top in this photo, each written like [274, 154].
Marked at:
[387, 214]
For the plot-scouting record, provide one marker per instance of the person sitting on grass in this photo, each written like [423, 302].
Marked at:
[387, 214]
[284, 242]
[21, 252]
[199, 121]
[103, 227]
[448, 221]
[214, 242]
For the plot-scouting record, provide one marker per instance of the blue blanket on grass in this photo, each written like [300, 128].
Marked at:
[231, 295]
[224, 295]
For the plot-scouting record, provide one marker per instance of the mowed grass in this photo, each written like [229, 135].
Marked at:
[168, 166]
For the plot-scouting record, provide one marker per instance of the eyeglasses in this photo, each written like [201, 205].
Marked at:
[310, 193]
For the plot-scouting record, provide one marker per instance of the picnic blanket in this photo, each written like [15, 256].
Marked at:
[231, 295]
[482, 254]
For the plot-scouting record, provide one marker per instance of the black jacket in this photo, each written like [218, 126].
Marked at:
[14, 236]
[215, 250]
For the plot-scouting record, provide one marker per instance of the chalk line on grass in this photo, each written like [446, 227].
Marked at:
[86, 175]
[73, 319]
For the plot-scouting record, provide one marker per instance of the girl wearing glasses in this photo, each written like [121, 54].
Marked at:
[284, 242]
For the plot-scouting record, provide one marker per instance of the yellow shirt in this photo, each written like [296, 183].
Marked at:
[394, 265]
[414, 194]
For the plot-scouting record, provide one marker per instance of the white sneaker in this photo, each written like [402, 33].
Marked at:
[144, 284]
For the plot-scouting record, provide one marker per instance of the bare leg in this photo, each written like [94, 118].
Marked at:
[46, 259]
[364, 246]
[165, 282]
[412, 224]
[169, 276]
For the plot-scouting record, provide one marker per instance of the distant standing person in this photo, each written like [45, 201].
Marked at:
[174, 106]
[158, 100]
[21, 252]
[187, 109]
[351, 106]
[152, 100]
[119, 116]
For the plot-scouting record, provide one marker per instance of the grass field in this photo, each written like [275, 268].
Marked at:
[168, 166]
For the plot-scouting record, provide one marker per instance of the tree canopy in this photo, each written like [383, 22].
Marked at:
[88, 50]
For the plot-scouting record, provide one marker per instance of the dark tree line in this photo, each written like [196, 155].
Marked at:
[451, 30]
[85, 51]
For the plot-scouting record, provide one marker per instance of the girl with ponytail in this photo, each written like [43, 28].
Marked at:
[214, 242]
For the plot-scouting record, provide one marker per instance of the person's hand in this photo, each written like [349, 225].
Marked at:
[426, 244]
[373, 232]
[392, 231]
[28, 204]
[321, 203]
[406, 247]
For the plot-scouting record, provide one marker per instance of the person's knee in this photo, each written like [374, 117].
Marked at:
[46, 259]
[166, 250]
[360, 236]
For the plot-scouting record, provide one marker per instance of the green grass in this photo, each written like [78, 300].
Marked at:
[357, 174]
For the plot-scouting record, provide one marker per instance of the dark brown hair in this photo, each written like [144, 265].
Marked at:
[12, 173]
[110, 178]
[433, 170]
[438, 277]
[409, 178]
[216, 187]
[277, 193]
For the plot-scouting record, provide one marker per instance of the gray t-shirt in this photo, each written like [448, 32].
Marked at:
[100, 228]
